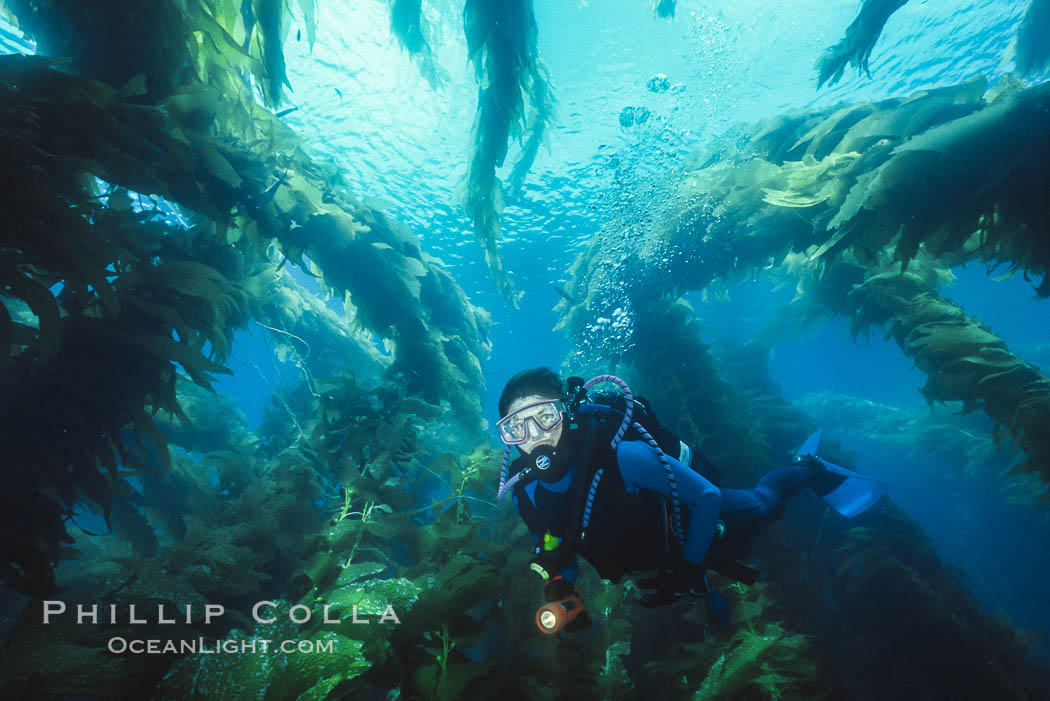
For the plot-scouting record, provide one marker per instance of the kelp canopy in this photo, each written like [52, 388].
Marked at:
[155, 204]
[868, 185]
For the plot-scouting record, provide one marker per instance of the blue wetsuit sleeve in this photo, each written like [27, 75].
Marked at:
[570, 572]
[642, 469]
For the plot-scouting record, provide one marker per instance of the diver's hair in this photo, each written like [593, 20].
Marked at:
[542, 382]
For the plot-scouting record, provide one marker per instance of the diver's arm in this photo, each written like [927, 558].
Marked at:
[642, 469]
[569, 573]
[560, 586]
[551, 560]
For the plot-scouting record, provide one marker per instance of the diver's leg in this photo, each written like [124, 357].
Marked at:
[781, 485]
[745, 512]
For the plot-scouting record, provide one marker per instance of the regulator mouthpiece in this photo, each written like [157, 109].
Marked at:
[543, 458]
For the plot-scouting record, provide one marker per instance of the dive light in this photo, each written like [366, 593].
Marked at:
[552, 617]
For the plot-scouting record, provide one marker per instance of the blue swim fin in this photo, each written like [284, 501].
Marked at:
[854, 493]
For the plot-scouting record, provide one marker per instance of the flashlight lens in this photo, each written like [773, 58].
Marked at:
[548, 620]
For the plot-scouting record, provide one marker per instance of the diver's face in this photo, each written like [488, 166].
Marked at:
[536, 435]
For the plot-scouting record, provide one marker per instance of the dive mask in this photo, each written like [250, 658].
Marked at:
[544, 415]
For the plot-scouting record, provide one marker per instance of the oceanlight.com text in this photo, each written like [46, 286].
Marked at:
[204, 646]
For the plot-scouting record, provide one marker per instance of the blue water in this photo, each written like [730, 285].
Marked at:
[972, 519]
[363, 104]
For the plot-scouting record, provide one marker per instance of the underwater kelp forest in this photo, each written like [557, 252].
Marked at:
[267, 265]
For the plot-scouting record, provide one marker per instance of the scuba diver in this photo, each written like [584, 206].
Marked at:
[598, 476]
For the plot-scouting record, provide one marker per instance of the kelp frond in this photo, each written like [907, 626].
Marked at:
[769, 661]
[501, 43]
[409, 26]
[69, 411]
[882, 573]
[682, 378]
[540, 118]
[855, 48]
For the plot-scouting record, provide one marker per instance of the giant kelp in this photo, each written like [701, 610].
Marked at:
[357, 249]
[757, 656]
[129, 295]
[387, 543]
[83, 364]
[990, 160]
[856, 46]
[665, 8]
[890, 584]
[269, 674]
[767, 659]
[369, 443]
[751, 198]
[229, 46]
[964, 359]
[235, 549]
[866, 184]
[65, 414]
[137, 292]
[360, 447]
[768, 197]
[215, 422]
[114, 35]
[501, 43]
[439, 336]
[772, 419]
[315, 338]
